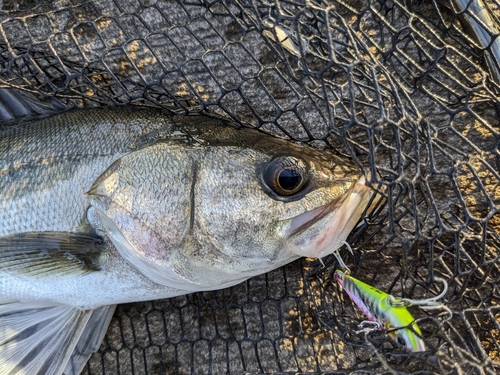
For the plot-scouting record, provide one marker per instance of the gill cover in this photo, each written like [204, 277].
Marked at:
[147, 205]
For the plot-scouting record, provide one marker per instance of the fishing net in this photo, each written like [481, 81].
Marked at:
[407, 89]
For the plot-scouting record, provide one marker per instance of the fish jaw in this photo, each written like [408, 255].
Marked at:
[377, 307]
[321, 231]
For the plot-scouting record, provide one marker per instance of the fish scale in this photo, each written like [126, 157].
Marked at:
[69, 148]
[108, 206]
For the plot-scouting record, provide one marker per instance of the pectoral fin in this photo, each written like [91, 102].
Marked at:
[39, 338]
[50, 253]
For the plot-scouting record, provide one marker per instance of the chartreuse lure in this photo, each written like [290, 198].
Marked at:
[384, 309]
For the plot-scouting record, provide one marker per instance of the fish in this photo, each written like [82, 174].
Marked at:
[382, 308]
[103, 206]
[478, 20]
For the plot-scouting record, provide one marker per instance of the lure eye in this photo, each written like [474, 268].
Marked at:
[286, 176]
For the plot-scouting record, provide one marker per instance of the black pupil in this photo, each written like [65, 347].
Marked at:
[289, 179]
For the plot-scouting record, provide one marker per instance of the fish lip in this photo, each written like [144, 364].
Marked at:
[339, 217]
[319, 213]
[363, 193]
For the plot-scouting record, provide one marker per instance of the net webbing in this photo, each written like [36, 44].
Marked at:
[408, 89]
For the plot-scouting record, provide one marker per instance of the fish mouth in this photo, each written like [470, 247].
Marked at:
[321, 231]
[306, 220]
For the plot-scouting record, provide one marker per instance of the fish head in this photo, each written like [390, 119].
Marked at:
[215, 205]
[317, 219]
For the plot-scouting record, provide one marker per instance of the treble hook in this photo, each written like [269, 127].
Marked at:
[367, 326]
[428, 303]
[336, 253]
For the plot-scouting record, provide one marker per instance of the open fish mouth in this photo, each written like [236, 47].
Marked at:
[321, 231]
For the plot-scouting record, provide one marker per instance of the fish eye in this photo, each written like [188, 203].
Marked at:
[286, 176]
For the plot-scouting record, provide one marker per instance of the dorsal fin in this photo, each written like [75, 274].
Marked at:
[16, 104]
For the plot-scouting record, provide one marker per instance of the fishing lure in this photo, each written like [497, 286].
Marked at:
[384, 309]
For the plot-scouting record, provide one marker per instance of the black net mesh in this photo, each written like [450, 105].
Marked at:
[408, 89]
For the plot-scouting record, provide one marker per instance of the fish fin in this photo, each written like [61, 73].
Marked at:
[50, 253]
[38, 338]
[90, 340]
[17, 104]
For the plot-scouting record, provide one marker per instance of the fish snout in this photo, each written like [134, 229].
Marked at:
[321, 231]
